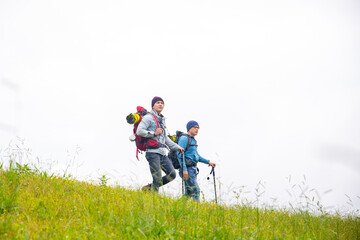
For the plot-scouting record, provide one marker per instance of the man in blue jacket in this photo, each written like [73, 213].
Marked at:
[188, 171]
[152, 126]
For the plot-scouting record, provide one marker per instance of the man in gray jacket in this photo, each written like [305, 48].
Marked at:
[152, 126]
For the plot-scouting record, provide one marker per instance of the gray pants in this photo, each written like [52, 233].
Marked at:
[158, 162]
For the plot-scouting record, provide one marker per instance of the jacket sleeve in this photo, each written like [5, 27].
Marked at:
[142, 129]
[203, 160]
[183, 141]
[168, 141]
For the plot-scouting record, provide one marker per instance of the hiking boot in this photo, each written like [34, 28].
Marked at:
[146, 188]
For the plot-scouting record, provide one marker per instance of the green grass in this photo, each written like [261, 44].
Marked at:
[38, 205]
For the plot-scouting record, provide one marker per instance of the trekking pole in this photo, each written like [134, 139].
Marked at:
[213, 173]
[182, 179]
[182, 186]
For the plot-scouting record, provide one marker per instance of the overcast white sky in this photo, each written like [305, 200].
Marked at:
[274, 85]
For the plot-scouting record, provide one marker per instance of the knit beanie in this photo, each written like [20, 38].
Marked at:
[155, 99]
[191, 124]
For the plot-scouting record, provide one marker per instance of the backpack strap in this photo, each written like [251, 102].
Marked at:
[189, 142]
[195, 143]
[156, 120]
[137, 153]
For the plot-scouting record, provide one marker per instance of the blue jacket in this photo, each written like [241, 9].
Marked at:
[190, 153]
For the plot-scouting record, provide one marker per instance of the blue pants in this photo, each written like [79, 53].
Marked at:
[158, 162]
[192, 188]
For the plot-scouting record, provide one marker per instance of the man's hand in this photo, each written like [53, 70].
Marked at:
[185, 175]
[212, 164]
[158, 131]
[181, 149]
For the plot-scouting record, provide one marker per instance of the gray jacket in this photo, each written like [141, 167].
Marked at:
[147, 128]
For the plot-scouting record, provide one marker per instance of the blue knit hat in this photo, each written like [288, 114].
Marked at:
[155, 99]
[191, 124]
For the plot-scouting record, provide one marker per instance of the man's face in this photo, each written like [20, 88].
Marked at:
[194, 130]
[158, 106]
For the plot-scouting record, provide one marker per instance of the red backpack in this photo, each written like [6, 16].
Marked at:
[142, 143]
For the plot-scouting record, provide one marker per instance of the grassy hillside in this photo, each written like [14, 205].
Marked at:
[36, 205]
